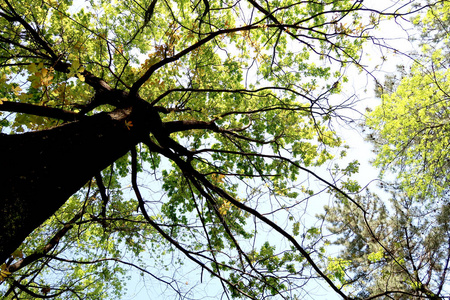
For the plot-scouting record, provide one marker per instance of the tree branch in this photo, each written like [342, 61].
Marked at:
[37, 110]
[162, 232]
[47, 248]
[137, 85]
[30, 292]
[36, 36]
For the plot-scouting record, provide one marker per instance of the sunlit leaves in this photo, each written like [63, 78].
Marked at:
[412, 126]
[412, 120]
[337, 269]
[4, 273]
[375, 256]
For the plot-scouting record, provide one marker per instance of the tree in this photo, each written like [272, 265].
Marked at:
[224, 103]
[400, 248]
[411, 123]
[402, 254]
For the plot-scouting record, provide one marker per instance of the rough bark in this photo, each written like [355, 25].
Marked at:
[39, 171]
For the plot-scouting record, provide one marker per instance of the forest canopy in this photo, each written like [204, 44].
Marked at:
[197, 145]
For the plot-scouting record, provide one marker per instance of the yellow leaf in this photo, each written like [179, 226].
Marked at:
[16, 90]
[2, 100]
[3, 272]
[81, 77]
[47, 80]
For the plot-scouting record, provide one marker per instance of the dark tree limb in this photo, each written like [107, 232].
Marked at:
[105, 197]
[35, 295]
[37, 110]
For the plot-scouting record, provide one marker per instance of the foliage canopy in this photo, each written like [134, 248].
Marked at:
[225, 110]
[406, 248]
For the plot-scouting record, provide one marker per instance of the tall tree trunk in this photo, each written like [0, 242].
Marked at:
[39, 171]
